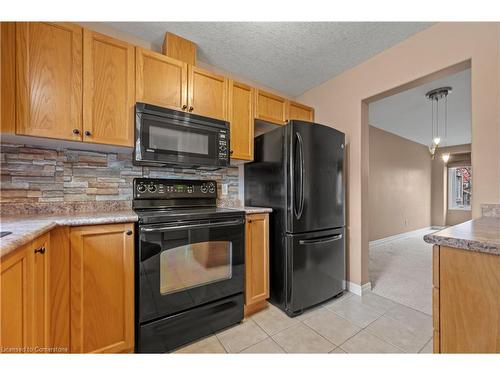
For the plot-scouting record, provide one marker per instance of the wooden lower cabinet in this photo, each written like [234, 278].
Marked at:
[91, 267]
[16, 300]
[466, 301]
[256, 262]
[102, 288]
[41, 294]
[34, 292]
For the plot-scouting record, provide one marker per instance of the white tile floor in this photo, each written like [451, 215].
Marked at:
[349, 324]
[394, 318]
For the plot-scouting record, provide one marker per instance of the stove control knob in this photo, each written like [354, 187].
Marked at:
[152, 188]
[204, 188]
[211, 187]
[141, 188]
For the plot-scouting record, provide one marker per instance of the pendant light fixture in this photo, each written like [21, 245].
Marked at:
[438, 98]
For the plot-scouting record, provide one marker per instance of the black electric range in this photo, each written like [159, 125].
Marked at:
[190, 262]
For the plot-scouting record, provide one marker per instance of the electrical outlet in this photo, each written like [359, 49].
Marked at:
[224, 189]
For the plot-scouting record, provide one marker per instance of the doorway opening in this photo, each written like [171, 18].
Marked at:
[420, 180]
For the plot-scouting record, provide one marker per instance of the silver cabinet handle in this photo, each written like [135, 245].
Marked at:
[320, 240]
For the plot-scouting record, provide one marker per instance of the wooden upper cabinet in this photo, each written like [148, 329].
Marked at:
[297, 111]
[8, 77]
[160, 80]
[16, 299]
[240, 116]
[108, 90]
[102, 288]
[179, 48]
[270, 107]
[207, 93]
[257, 259]
[49, 80]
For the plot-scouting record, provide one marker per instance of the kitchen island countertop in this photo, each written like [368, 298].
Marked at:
[481, 235]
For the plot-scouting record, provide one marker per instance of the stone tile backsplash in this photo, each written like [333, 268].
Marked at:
[39, 175]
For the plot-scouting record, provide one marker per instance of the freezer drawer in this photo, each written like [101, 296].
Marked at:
[315, 268]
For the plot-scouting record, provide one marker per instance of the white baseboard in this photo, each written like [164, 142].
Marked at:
[359, 289]
[401, 235]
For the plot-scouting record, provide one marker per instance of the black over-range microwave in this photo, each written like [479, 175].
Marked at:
[174, 138]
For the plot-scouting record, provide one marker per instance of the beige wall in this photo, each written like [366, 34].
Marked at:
[341, 103]
[399, 185]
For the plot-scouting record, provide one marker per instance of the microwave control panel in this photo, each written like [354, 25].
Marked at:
[223, 151]
[154, 188]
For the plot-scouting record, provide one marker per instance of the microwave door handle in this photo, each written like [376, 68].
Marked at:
[166, 228]
[320, 240]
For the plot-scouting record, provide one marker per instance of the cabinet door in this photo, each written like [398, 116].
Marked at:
[469, 301]
[297, 111]
[41, 295]
[16, 300]
[241, 112]
[257, 258]
[108, 90]
[49, 80]
[207, 93]
[270, 107]
[160, 80]
[8, 77]
[102, 288]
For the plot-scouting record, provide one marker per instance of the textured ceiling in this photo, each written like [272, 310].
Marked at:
[291, 57]
[408, 114]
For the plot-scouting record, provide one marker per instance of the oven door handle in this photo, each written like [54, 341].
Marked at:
[191, 226]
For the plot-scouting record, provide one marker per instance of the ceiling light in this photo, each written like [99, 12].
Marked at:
[435, 96]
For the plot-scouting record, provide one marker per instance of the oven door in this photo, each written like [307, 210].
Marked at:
[178, 140]
[186, 264]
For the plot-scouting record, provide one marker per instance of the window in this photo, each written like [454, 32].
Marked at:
[459, 188]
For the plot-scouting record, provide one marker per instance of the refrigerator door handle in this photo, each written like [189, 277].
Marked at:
[320, 240]
[298, 211]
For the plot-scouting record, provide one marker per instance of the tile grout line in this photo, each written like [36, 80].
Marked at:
[399, 303]
[380, 338]
[420, 351]
[221, 344]
[326, 338]
[255, 343]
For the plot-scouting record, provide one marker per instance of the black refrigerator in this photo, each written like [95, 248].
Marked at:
[298, 171]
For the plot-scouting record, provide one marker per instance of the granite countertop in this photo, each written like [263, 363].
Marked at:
[482, 235]
[26, 228]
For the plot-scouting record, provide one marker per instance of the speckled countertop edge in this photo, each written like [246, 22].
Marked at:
[26, 228]
[256, 210]
[462, 236]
